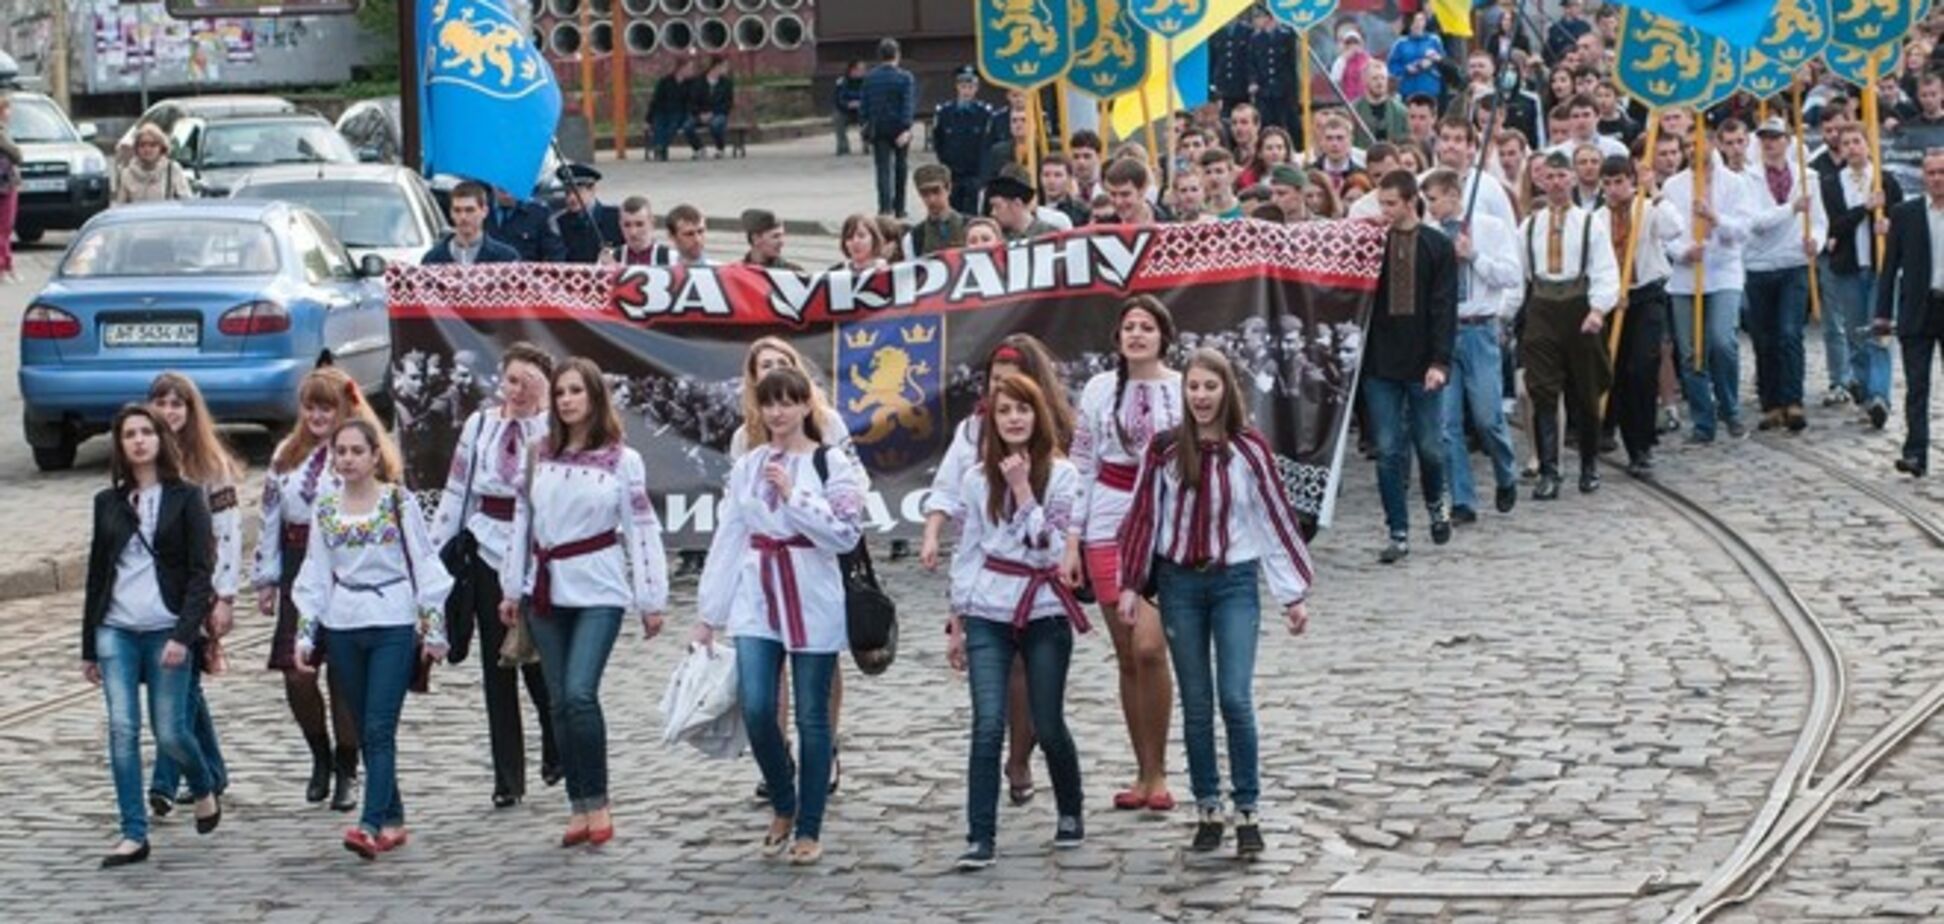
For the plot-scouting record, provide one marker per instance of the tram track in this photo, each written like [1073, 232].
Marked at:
[22, 715]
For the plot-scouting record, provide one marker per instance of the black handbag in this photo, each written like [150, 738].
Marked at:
[458, 555]
[870, 615]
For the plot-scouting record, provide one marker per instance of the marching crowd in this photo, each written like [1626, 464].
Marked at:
[1571, 251]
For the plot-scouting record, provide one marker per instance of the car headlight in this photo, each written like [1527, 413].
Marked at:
[89, 163]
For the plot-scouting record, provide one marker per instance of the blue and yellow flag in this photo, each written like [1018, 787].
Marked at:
[890, 388]
[1872, 24]
[1762, 76]
[1797, 31]
[1187, 74]
[1168, 18]
[1110, 53]
[1662, 62]
[1724, 75]
[1302, 14]
[488, 100]
[1852, 65]
[1740, 22]
[1454, 17]
[1024, 44]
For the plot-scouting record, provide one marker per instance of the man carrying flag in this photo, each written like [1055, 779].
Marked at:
[514, 92]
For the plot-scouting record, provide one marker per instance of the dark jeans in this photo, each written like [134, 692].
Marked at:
[574, 646]
[1917, 354]
[1217, 610]
[662, 129]
[841, 121]
[128, 661]
[1404, 417]
[168, 775]
[888, 158]
[1636, 370]
[1047, 647]
[759, 662]
[1777, 310]
[375, 667]
[718, 123]
[502, 687]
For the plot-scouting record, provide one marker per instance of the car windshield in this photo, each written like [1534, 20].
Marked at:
[361, 213]
[37, 120]
[255, 144]
[173, 247]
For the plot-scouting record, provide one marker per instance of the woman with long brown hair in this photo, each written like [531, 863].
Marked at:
[1210, 513]
[1017, 354]
[148, 596]
[585, 550]
[206, 463]
[1012, 611]
[1120, 412]
[300, 472]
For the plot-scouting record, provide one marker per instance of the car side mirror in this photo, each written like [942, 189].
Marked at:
[89, 131]
[370, 155]
[371, 266]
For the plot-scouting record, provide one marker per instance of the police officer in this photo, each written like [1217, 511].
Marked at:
[1272, 72]
[526, 226]
[1228, 64]
[959, 136]
[587, 226]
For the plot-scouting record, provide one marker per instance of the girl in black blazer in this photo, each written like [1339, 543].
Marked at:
[149, 591]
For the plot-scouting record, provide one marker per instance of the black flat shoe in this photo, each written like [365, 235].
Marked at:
[1548, 488]
[138, 855]
[160, 805]
[505, 800]
[1506, 498]
[551, 774]
[1912, 467]
[320, 781]
[1589, 480]
[344, 796]
[207, 825]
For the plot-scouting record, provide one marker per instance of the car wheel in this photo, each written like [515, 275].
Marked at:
[29, 234]
[57, 458]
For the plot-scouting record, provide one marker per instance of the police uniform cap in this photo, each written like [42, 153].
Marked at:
[966, 74]
[581, 175]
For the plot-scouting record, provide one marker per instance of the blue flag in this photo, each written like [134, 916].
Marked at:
[488, 101]
[1740, 23]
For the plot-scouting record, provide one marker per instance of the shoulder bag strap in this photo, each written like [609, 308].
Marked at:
[404, 544]
[1586, 244]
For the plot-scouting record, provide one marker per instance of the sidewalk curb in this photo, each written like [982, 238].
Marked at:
[48, 575]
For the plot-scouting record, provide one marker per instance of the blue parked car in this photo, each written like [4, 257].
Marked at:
[243, 297]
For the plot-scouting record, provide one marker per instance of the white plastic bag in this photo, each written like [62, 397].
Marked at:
[700, 706]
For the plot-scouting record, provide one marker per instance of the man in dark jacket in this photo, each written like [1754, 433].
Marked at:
[526, 226]
[1850, 202]
[1912, 251]
[1228, 64]
[710, 100]
[668, 108]
[959, 136]
[890, 105]
[847, 105]
[587, 225]
[468, 243]
[1272, 71]
[1413, 330]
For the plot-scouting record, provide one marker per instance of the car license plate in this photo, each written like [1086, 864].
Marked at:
[151, 334]
[44, 184]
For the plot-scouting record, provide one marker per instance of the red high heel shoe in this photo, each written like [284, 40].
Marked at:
[360, 842]
[387, 843]
[577, 836]
[598, 836]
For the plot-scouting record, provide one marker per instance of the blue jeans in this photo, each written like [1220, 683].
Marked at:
[574, 646]
[841, 120]
[1716, 388]
[1835, 342]
[1778, 309]
[1047, 647]
[1869, 360]
[168, 776]
[1216, 608]
[718, 123]
[128, 661]
[1476, 388]
[1405, 416]
[662, 129]
[889, 165]
[759, 663]
[374, 668]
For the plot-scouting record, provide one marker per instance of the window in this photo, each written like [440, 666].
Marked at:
[173, 247]
[360, 214]
[336, 260]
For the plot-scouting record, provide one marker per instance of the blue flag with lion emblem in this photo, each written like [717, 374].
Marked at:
[1024, 44]
[1662, 62]
[891, 389]
[488, 101]
[1110, 53]
[1740, 22]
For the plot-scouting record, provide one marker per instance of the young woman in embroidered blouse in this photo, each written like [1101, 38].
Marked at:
[147, 599]
[487, 474]
[208, 463]
[764, 355]
[1011, 604]
[1209, 514]
[1120, 411]
[300, 472]
[585, 549]
[773, 583]
[1017, 354]
[372, 578]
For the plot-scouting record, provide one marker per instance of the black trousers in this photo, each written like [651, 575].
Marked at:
[1917, 353]
[1560, 361]
[503, 727]
[1636, 369]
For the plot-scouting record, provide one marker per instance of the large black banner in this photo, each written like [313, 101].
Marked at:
[902, 346]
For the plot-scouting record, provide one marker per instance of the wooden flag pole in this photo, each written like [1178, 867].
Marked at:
[1802, 165]
[1147, 126]
[1700, 195]
[618, 74]
[1167, 75]
[1060, 113]
[1034, 145]
[1627, 259]
[587, 67]
[1874, 128]
[1303, 89]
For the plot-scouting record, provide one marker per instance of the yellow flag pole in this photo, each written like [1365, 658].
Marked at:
[1700, 195]
[1802, 163]
[1042, 144]
[1634, 220]
[1874, 128]
[1167, 73]
[1147, 126]
[1034, 146]
[1303, 87]
[1060, 111]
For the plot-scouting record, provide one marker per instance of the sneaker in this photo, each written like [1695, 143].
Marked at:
[1548, 488]
[1697, 438]
[1879, 413]
[1589, 480]
[1855, 390]
[1670, 419]
[1463, 516]
[1395, 552]
[1248, 836]
[1736, 429]
[1440, 526]
[1208, 831]
[1835, 397]
[1071, 833]
[978, 855]
[1506, 498]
